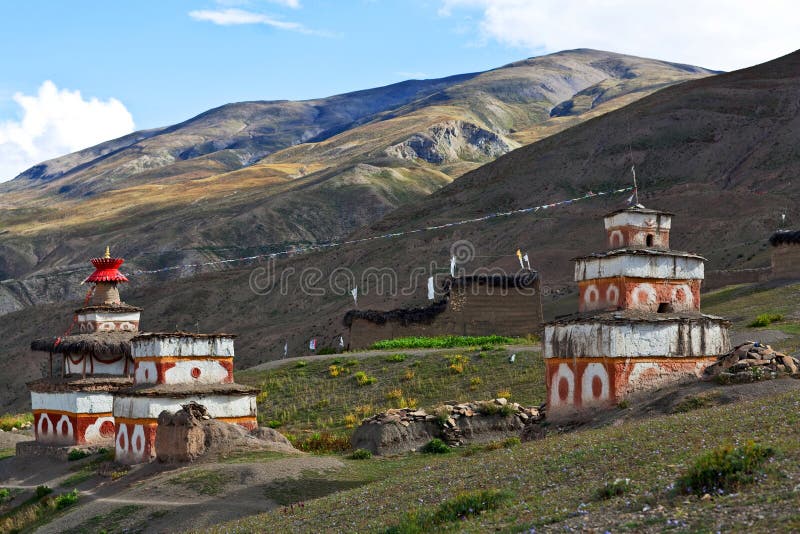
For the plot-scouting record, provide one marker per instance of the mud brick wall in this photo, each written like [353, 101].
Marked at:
[718, 279]
[475, 310]
[786, 261]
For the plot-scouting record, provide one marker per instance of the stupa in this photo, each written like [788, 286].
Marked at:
[72, 405]
[638, 326]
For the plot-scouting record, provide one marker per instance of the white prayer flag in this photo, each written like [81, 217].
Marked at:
[341, 341]
[354, 292]
[519, 257]
[525, 257]
[453, 266]
[285, 349]
[431, 294]
[312, 345]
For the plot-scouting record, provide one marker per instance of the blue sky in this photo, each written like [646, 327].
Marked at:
[73, 74]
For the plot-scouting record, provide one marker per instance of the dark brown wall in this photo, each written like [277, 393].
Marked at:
[476, 310]
[718, 279]
[786, 261]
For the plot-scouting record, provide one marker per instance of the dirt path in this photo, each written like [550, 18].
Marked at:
[368, 353]
[154, 498]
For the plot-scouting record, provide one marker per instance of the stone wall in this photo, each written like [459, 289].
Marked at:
[472, 310]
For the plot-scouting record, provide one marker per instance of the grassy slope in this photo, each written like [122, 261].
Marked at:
[307, 398]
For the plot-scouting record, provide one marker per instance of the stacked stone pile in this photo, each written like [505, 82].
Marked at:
[752, 361]
[451, 411]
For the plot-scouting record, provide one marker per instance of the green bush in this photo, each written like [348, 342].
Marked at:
[5, 495]
[274, 423]
[613, 489]
[396, 358]
[511, 442]
[326, 350]
[435, 446]
[363, 380]
[301, 363]
[361, 454]
[42, 491]
[9, 421]
[77, 454]
[322, 443]
[66, 499]
[462, 507]
[724, 469]
[765, 319]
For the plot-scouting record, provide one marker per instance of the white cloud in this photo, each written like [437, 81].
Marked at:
[294, 4]
[234, 17]
[718, 34]
[56, 122]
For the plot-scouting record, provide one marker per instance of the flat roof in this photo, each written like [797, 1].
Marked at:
[638, 208]
[634, 251]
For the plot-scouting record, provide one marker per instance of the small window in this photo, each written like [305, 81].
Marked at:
[649, 240]
[665, 307]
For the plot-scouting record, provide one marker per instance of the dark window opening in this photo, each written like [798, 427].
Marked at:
[649, 240]
[665, 307]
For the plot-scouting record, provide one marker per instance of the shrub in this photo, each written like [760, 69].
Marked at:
[394, 394]
[334, 370]
[274, 423]
[511, 442]
[361, 454]
[458, 363]
[301, 363]
[724, 469]
[408, 375]
[9, 421]
[363, 380]
[365, 410]
[42, 491]
[475, 381]
[5, 495]
[460, 508]
[326, 350]
[613, 489]
[350, 420]
[492, 408]
[77, 454]
[443, 342]
[396, 358]
[66, 499]
[765, 319]
[504, 394]
[435, 446]
[323, 442]
[351, 363]
[261, 397]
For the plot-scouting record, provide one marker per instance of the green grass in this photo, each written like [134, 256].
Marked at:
[462, 507]
[85, 470]
[446, 342]
[725, 469]
[202, 481]
[555, 479]
[9, 421]
[38, 510]
[110, 522]
[308, 399]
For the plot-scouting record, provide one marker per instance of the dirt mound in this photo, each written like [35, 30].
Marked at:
[190, 433]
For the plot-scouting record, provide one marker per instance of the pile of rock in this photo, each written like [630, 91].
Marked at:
[405, 429]
[752, 361]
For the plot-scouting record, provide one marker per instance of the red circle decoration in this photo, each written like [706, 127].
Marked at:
[107, 429]
[597, 386]
[563, 389]
[195, 372]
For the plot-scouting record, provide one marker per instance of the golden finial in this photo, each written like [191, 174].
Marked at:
[108, 252]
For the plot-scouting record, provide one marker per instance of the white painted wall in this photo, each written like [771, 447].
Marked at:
[182, 346]
[73, 402]
[102, 317]
[641, 220]
[636, 339]
[217, 405]
[115, 368]
[640, 266]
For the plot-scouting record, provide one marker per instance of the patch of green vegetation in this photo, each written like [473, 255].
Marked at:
[6, 453]
[42, 491]
[202, 481]
[725, 469]
[765, 319]
[616, 488]
[445, 342]
[361, 454]
[321, 442]
[695, 402]
[460, 508]
[5, 495]
[37, 510]
[300, 364]
[435, 446]
[110, 522]
[363, 379]
[9, 421]
[394, 358]
[77, 454]
[295, 397]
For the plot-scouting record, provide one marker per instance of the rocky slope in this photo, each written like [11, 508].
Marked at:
[252, 177]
